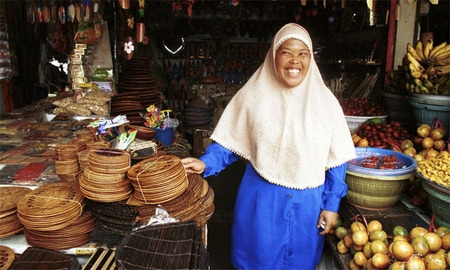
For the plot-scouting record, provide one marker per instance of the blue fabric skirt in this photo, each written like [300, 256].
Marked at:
[275, 227]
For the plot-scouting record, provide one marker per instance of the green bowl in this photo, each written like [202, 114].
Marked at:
[375, 192]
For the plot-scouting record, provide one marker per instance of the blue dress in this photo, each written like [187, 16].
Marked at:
[274, 227]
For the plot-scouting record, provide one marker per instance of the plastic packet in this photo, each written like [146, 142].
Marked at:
[161, 216]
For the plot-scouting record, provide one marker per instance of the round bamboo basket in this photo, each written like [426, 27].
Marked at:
[158, 179]
[7, 257]
[109, 160]
[51, 207]
[74, 235]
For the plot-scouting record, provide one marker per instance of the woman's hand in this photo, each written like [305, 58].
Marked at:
[193, 165]
[330, 218]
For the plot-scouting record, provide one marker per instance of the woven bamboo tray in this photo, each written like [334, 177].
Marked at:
[167, 246]
[7, 257]
[43, 259]
[9, 196]
[158, 179]
[74, 235]
[50, 207]
[10, 225]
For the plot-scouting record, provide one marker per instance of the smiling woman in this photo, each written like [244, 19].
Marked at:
[292, 60]
[278, 115]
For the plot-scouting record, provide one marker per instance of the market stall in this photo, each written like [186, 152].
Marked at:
[101, 100]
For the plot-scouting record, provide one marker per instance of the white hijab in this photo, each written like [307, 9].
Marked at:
[291, 136]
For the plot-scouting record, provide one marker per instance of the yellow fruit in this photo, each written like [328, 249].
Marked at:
[427, 143]
[341, 247]
[419, 50]
[423, 131]
[400, 238]
[348, 240]
[397, 266]
[441, 231]
[360, 238]
[352, 265]
[400, 230]
[362, 143]
[417, 231]
[441, 253]
[402, 250]
[415, 263]
[434, 241]
[446, 241]
[378, 246]
[421, 246]
[359, 259]
[356, 139]
[369, 265]
[341, 232]
[358, 248]
[378, 235]
[434, 262]
[357, 226]
[367, 250]
[380, 260]
[374, 225]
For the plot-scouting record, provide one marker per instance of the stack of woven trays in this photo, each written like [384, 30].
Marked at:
[75, 234]
[66, 160]
[129, 104]
[158, 179]
[83, 156]
[168, 246]
[9, 221]
[195, 203]
[114, 221]
[43, 259]
[105, 177]
[138, 77]
[86, 133]
[53, 218]
[181, 148]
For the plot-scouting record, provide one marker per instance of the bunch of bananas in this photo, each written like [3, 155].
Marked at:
[397, 79]
[429, 68]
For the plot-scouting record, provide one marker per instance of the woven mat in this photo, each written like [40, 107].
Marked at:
[31, 172]
[118, 210]
[167, 246]
[39, 258]
[102, 236]
[101, 259]
[8, 171]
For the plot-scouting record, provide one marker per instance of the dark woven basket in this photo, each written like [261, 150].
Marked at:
[40, 258]
[167, 246]
[117, 210]
[101, 236]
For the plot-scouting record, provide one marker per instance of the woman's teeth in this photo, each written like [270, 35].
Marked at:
[293, 71]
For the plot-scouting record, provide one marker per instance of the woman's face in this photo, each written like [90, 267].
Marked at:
[292, 61]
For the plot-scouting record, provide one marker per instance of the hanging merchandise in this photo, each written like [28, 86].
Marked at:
[128, 47]
[141, 8]
[140, 32]
[5, 57]
[125, 4]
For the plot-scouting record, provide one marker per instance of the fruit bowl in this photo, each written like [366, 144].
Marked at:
[439, 198]
[354, 122]
[377, 189]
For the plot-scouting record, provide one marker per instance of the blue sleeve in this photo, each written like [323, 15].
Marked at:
[335, 188]
[217, 158]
